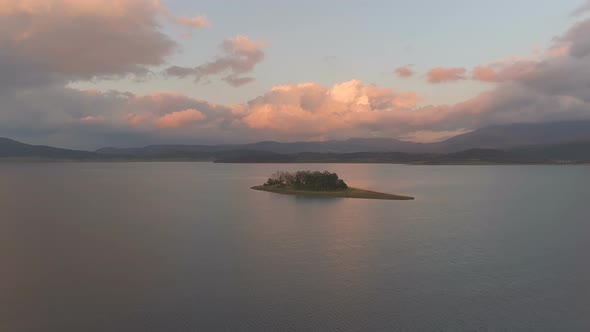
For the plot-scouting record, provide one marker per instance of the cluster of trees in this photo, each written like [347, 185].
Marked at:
[307, 180]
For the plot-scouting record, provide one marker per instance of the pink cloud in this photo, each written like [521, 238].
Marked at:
[180, 118]
[443, 75]
[404, 72]
[242, 45]
[82, 39]
[313, 110]
[498, 72]
[91, 118]
[304, 111]
[486, 74]
[516, 68]
[99, 8]
[133, 119]
[557, 51]
[551, 85]
[191, 23]
[307, 110]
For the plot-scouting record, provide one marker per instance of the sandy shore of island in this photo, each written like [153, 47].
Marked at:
[347, 193]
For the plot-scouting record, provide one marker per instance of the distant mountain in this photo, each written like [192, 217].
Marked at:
[495, 137]
[516, 135]
[473, 156]
[558, 142]
[321, 157]
[333, 146]
[13, 149]
[343, 146]
[574, 152]
[568, 153]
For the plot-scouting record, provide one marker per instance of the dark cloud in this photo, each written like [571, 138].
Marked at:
[84, 39]
[582, 9]
[236, 81]
[577, 36]
[240, 55]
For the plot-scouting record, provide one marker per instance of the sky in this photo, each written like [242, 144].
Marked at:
[93, 73]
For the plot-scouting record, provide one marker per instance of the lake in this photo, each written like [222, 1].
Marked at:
[189, 247]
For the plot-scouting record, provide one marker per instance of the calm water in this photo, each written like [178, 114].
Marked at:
[188, 247]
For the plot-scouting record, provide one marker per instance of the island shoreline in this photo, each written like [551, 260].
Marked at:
[346, 193]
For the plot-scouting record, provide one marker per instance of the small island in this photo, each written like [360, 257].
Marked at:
[319, 184]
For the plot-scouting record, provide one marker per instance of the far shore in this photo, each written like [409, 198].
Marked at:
[192, 160]
[347, 193]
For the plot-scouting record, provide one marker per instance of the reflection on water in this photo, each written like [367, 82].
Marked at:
[188, 246]
[316, 200]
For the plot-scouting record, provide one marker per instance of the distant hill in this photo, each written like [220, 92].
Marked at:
[473, 156]
[516, 135]
[559, 142]
[333, 146]
[494, 137]
[573, 152]
[13, 149]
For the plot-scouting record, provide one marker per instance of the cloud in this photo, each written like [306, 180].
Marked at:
[514, 68]
[75, 118]
[343, 110]
[576, 37]
[39, 106]
[133, 119]
[552, 86]
[67, 116]
[80, 40]
[180, 118]
[91, 118]
[432, 136]
[240, 55]
[498, 72]
[581, 9]
[404, 71]
[484, 73]
[47, 44]
[236, 81]
[192, 22]
[443, 75]
[557, 51]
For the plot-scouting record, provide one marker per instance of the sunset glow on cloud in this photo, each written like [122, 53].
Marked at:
[49, 47]
[442, 75]
[404, 72]
[180, 118]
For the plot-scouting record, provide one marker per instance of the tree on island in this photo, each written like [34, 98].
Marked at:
[307, 180]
